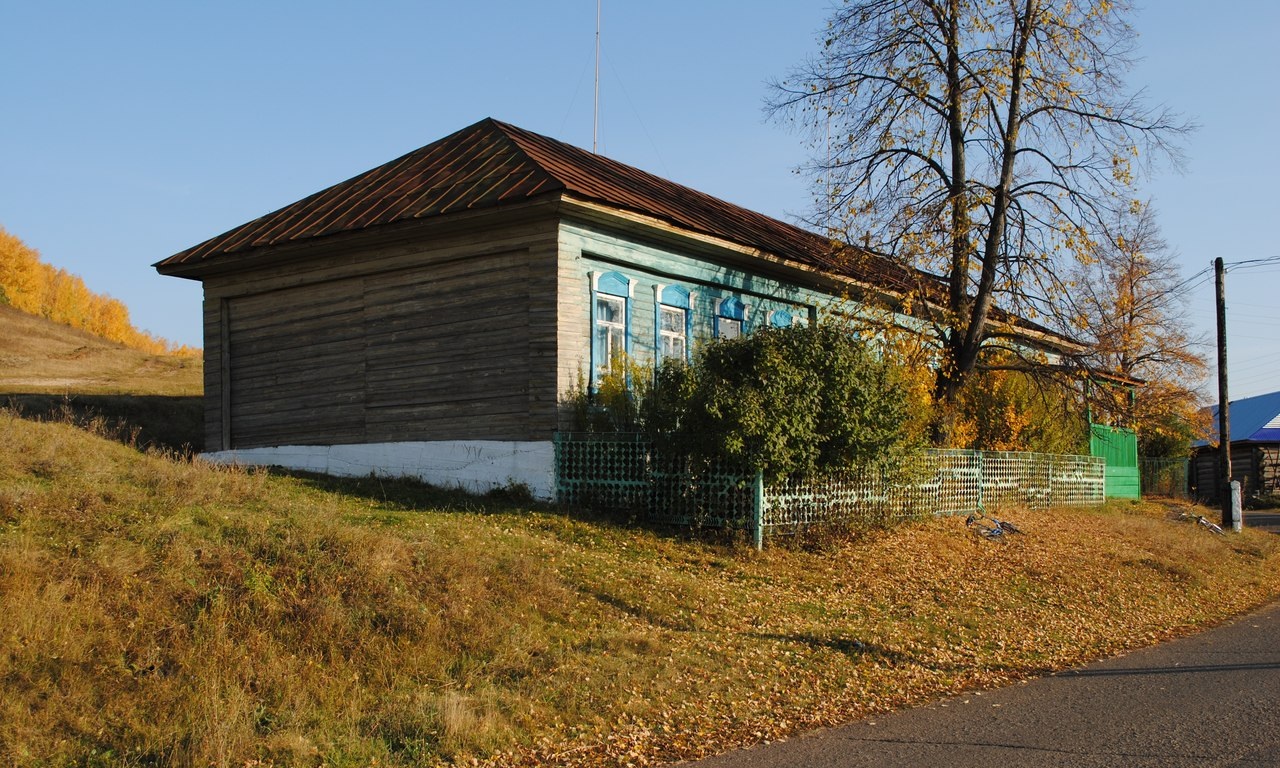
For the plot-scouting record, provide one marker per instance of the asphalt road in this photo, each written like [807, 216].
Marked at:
[1212, 699]
[1266, 519]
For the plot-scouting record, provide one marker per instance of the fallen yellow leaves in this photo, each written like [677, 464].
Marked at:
[167, 612]
[789, 641]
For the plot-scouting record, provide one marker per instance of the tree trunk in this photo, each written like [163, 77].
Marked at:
[967, 335]
[946, 394]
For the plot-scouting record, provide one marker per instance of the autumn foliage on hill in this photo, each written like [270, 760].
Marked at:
[30, 285]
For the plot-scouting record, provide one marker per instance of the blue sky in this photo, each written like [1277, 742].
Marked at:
[133, 130]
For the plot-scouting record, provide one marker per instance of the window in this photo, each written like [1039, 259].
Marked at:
[672, 333]
[673, 320]
[780, 318]
[731, 315]
[610, 322]
[611, 327]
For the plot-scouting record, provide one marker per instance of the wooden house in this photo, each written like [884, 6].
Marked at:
[1255, 450]
[425, 318]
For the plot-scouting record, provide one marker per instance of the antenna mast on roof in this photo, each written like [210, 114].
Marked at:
[595, 115]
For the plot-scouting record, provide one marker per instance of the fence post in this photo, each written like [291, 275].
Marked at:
[982, 482]
[757, 513]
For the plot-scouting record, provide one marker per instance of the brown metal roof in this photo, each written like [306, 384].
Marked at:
[493, 163]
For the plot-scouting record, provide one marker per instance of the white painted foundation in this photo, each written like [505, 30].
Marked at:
[472, 465]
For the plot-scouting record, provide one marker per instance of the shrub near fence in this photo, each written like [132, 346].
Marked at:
[622, 473]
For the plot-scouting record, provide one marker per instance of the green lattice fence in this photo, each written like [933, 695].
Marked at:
[623, 473]
[938, 483]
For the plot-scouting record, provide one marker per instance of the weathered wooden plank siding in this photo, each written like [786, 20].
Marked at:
[378, 342]
[543, 395]
[213, 374]
[423, 383]
[1257, 466]
[297, 365]
[573, 314]
[1269, 470]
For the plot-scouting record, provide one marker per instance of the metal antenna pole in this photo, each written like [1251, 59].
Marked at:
[595, 117]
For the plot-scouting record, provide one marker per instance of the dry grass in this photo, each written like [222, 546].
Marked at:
[156, 611]
[140, 421]
[53, 372]
[42, 357]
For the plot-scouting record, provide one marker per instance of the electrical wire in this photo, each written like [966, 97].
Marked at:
[1248, 263]
[1185, 285]
[1201, 277]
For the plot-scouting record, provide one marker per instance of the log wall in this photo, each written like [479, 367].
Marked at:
[428, 336]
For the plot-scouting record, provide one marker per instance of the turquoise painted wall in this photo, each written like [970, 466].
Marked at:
[588, 253]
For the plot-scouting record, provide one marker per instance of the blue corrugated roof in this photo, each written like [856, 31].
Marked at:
[1253, 420]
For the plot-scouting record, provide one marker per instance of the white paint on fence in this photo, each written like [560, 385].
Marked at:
[472, 465]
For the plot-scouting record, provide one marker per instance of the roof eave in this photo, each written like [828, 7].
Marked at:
[657, 228]
[257, 257]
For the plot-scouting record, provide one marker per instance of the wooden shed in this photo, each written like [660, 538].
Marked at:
[424, 318]
[1255, 450]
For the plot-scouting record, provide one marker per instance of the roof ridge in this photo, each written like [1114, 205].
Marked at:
[519, 135]
[392, 191]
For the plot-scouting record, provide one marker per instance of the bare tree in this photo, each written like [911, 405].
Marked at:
[983, 142]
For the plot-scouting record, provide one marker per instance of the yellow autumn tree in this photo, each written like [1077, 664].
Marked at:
[21, 278]
[30, 285]
[1004, 409]
[1132, 307]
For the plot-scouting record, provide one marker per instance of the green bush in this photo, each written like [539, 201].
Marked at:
[798, 400]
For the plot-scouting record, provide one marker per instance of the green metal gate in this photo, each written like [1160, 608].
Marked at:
[1119, 448]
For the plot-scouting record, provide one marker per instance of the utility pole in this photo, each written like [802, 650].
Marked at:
[1224, 404]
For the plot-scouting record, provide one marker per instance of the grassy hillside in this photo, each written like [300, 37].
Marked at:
[39, 356]
[157, 611]
[50, 370]
[29, 284]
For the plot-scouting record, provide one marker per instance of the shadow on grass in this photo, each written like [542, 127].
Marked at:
[643, 614]
[407, 495]
[849, 646]
[858, 649]
[166, 422]
[400, 494]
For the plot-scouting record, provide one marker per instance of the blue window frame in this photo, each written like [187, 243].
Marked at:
[673, 322]
[731, 318]
[610, 322]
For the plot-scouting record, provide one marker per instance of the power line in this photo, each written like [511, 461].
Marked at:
[1185, 285]
[1264, 381]
[1258, 362]
[1251, 337]
[1204, 275]
[1248, 263]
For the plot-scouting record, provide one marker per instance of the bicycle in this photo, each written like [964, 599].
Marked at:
[1198, 519]
[989, 527]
